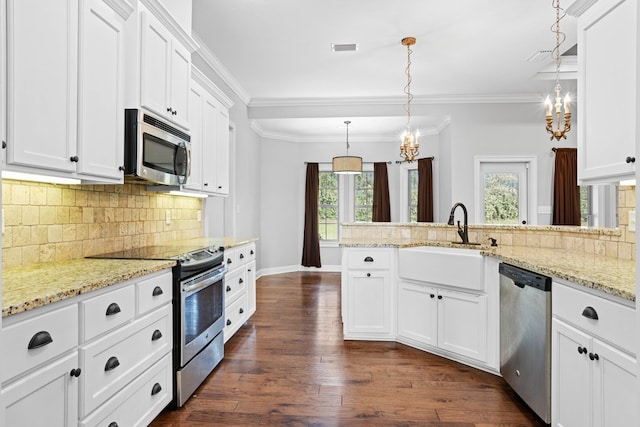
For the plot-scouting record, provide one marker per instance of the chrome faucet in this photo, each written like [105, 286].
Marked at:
[462, 232]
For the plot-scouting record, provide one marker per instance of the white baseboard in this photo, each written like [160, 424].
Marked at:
[296, 268]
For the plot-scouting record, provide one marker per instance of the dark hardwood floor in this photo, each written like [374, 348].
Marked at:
[289, 366]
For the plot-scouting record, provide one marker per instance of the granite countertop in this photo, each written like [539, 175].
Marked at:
[26, 288]
[609, 275]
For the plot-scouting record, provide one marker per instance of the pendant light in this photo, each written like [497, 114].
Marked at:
[410, 143]
[347, 164]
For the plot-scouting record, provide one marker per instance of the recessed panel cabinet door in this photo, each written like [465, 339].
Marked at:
[180, 82]
[101, 91]
[418, 313]
[155, 66]
[462, 323]
[42, 40]
[222, 152]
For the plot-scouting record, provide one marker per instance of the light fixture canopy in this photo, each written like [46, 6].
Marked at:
[559, 132]
[410, 139]
[348, 165]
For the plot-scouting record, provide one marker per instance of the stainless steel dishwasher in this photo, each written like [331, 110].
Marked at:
[525, 336]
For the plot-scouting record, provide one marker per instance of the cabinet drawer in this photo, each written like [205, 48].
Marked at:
[107, 311]
[139, 402]
[615, 323]
[154, 292]
[234, 284]
[109, 363]
[235, 315]
[49, 335]
[245, 254]
[368, 259]
[230, 260]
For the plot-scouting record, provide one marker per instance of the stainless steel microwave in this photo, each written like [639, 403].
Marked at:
[155, 151]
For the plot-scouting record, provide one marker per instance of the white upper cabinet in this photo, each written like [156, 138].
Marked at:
[165, 71]
[607, 110]
[65, 84]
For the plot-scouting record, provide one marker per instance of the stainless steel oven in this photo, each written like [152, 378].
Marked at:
[201, 322]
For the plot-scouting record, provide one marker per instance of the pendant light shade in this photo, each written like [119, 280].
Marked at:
[347, 164]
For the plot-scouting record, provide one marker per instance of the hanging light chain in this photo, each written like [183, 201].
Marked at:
[407, 89]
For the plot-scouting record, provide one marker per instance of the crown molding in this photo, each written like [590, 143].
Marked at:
[578, 7]
[214, 63]
[163, 15]
[396, 100]
[204, 81]
[121, 7]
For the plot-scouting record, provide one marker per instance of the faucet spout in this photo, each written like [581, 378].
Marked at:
[463, 232]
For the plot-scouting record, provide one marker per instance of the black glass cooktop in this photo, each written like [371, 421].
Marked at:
[159, 252]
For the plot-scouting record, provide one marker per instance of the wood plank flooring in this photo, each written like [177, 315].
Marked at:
[289, 366]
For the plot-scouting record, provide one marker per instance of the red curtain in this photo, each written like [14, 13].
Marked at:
[311, 243]
[566, 193]
[425, 190]
[381, 205]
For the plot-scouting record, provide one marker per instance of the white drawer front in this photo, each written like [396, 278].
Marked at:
[368, 259]
[615, 323]
[244, 254]
[134, 348]
[154, 292]
[235, 284]
[139, 402]
[107, 311]
[230, 259]
[250, 252]
[235, 315]
[49, 334]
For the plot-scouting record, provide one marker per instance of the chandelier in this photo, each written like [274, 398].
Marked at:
[347, 164]
[558, 132]
[409, 145]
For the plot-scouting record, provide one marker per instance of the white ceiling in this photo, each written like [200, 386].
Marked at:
[278, 52]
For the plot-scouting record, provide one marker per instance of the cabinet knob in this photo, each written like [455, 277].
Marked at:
[228, 288]
[174, 112]
[169, 110]
[40, 339]
[582, 350]
[75, 372]
[206, 184]
[113, 308]
[241, 310]
[156, 335]
[219, 187]
[157, 388]
[4, 144]
[112, 363]
[240, 281]
[439, 296]
[432, 295]
[594, 356]
[368, 274]
[157, 291]
[590, 313]
[630, 159]
[228, 322]
[113, 424]
[121, 168]
[74, 159]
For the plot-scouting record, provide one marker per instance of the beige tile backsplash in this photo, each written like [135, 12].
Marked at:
[52, 222]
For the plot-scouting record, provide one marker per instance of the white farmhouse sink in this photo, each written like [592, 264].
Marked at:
[456, 267]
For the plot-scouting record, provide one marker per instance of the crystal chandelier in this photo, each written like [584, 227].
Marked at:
[349, 165]
[410, 144]
[558, 132]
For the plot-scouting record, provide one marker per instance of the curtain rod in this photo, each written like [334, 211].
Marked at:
[329, 163]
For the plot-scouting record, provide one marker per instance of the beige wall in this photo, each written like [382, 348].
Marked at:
[52, 222]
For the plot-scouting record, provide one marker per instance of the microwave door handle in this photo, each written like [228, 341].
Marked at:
[188, 162]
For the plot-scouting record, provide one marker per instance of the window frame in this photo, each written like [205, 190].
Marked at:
[330, 243]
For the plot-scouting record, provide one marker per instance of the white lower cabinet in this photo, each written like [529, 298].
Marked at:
[593, 380]
[96, 359]
[240, 287]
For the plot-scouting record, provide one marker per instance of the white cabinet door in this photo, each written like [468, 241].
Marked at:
[179, 84]
[101, 91]
[251, 288]
[222, 152]
[46, 397]
[370, 302]
[42, 46]
[607, 90]
[155, 66]
[571, 377]
[209, 160]
[196, 99]
[614, 387]
[418, 313]
[462, 323]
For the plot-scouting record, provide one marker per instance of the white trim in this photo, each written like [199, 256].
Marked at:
[298, 268]
[532, 183]
[174, 27]
[404, 194]
[121, 7]
[214, 63]
[579, 7]
[204, 81]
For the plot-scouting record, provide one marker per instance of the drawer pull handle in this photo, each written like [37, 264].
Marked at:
[113, 424]
[75, 372]
[582, 350]
[228, 288]
[157, 291]
[368, 259]
[157, 388]
[112, 363]
[630, 159]
[241, 310]
[228, 322]
[439, 296]
[40, 339]
[241, 256]
[590, 313]
[156, 335]
[241, 281]
[251, 252]
[229, 261]
[432, 295]
[594, 356]
[113, 308]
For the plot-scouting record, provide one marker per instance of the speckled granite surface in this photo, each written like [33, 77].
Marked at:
[609, 275]
[26, 288]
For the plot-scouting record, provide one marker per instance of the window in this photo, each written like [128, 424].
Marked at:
[586, 206]
[501, 195]
[328, 191]
[363, 197]
[412, 195]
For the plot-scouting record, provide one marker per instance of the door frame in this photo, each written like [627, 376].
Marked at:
[532, 183]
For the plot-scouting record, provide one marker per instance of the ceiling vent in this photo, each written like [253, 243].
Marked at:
[351, 47]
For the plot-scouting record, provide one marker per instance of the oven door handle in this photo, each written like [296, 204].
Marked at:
[204, 283]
